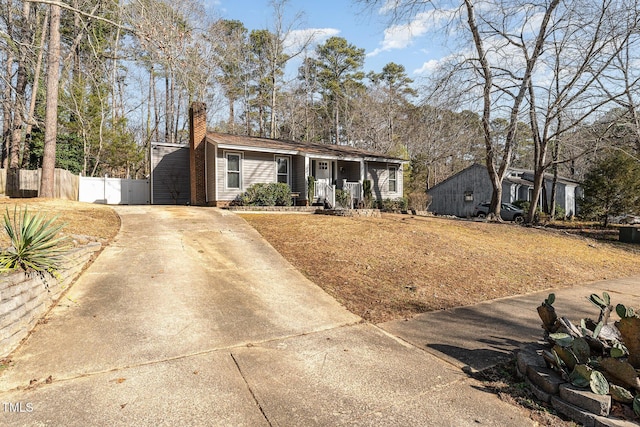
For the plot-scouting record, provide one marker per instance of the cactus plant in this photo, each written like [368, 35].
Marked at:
[620, 394]
[548, 314]
[596, 355]
[629, 328]
[624, 312]
[598, 383]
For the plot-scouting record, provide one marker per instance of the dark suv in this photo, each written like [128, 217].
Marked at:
[508, 212]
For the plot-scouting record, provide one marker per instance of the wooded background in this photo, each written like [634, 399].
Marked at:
[551, 86]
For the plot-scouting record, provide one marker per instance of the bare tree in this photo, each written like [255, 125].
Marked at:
[580, 49]
[51, 115]
[621, 80]
[497, 30]
[282, 48]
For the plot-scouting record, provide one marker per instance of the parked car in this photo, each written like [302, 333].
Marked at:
[508, 212]
[625, 219]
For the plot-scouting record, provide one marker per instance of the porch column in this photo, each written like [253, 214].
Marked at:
[363, 176]
[307, 173]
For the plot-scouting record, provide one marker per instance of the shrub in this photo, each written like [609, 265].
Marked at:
[393, 205]
[343, 199]
[522, 204]
[419, 200]
[35, 245]
[311, 188]
[366, 190]
[560, 212]
[272, 194]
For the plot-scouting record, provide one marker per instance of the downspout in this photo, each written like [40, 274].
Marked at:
[151, 172]
[362, 179]
[215, 173]
[306, 180]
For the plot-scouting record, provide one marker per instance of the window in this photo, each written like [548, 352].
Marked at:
[233, 170]
[323, 166]
[282, 169]
[468, 196]
[393, 180]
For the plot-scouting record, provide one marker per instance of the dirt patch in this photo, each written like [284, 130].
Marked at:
[503, 381]
[399, 265]
[86, 219]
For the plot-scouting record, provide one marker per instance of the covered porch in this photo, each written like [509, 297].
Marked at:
[336, 174]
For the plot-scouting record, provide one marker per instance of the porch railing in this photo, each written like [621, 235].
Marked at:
[330, 198]
[354, 189]
[325, 192]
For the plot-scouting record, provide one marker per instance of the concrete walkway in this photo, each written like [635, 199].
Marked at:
[190, 318]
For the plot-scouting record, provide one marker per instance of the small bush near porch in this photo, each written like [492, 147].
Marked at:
[272, 194]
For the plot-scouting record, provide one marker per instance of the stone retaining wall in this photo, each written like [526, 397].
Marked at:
[25, 297]
[580, 405]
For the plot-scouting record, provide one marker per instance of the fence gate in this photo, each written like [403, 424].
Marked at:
[114, 191]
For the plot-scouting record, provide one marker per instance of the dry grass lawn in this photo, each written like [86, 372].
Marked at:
[97, 221]
[399, 265]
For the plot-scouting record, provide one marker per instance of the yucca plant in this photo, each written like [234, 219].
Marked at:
[35, 244]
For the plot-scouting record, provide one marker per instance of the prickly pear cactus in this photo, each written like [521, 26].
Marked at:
[629, 328]
[548, 314]
[597, 355]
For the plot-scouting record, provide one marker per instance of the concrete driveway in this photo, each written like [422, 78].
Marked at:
[190, 318]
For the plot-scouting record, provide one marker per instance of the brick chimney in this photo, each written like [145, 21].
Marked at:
[197, 135]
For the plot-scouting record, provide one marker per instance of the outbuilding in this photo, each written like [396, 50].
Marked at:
[460, 193]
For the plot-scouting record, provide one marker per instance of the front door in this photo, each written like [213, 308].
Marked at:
[323, 177]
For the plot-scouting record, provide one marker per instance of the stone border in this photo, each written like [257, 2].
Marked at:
[26, 297]
[367, 213]
[306, 209]
[580, 405]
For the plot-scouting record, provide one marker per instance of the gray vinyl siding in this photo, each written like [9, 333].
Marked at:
[170, 174]
[255, 168]
[298, 180]
[378, 174]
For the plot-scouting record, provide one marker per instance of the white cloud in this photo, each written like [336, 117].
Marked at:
[310, 36]
[389, 6]
[428, 67]
[400, 36]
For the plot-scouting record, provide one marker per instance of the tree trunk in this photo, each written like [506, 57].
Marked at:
[261, 120]
[274, 94]
[554, 183]
[7, 107]
[51, 114]
[538, 184]
[177, 118]
[34, 95]
[20, 89]
[232, 114]
[167, 120]
[156, 113]
[172, 107]
[336, 118]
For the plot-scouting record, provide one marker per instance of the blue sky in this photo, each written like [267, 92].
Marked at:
[412, 46]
